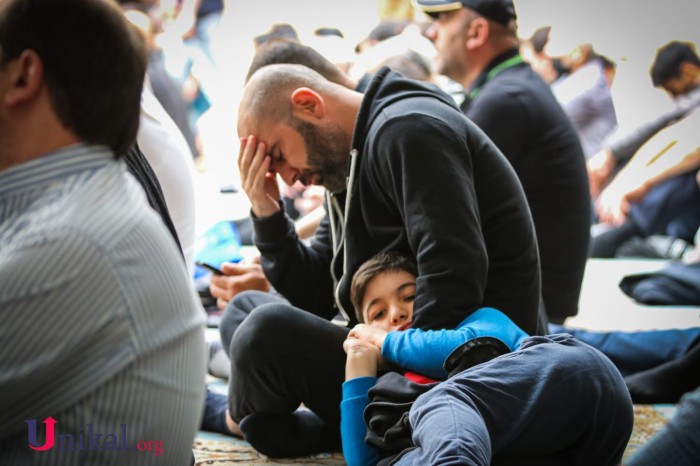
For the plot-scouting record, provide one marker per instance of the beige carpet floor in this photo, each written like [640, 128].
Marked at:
[218, 450]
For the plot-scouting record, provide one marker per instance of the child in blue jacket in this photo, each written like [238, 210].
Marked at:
[504, 398]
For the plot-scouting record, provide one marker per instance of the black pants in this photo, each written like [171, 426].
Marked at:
[282, 356]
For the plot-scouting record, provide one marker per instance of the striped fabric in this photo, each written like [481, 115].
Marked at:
[100, 327]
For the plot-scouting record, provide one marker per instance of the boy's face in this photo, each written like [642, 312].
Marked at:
[388, 300]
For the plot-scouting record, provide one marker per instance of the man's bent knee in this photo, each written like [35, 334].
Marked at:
[260, 335]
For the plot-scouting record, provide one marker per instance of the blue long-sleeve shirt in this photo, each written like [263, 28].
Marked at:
[423, 351]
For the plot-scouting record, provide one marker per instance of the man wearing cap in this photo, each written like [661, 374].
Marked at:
[477, 46]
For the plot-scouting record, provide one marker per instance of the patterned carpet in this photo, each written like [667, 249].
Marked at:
[219, 450]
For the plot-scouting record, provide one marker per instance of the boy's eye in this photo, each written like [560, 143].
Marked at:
[410, 298]
[378, 315]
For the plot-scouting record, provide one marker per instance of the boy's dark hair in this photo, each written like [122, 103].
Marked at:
[94, 64]
[382, 262]
[669, 58]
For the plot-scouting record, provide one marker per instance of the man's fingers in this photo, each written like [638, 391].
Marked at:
[232, 268]
[257, 155]
[219, 292]
[242, 167]
[247, 159]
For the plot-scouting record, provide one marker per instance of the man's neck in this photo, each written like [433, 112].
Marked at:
[347, 109]
[472, 74]
[32, 145]
[32, 129]
[480, 61]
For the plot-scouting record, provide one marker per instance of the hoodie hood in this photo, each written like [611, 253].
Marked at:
[382, 92]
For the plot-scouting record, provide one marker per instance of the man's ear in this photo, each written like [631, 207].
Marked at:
[308, 102]
[478, 33]
[26, 76]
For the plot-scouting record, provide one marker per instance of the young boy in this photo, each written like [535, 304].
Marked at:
[550, 400]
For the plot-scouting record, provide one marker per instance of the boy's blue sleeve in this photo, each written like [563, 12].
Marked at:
[425, 351]
[352, 423]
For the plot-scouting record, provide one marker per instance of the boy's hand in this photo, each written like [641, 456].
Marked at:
[369, 333]
[363, 358]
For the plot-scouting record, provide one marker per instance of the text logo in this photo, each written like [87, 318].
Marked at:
[86, 439]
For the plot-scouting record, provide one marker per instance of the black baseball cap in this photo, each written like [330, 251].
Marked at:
[500, 11]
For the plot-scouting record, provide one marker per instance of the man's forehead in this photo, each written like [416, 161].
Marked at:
[266, 130]
[248, 124]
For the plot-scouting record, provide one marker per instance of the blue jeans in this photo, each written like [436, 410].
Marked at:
[555, 401]
[633, 352]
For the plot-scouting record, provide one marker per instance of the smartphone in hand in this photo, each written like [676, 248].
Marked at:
[211, 268]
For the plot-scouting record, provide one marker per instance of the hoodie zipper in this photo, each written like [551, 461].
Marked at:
[339, 243]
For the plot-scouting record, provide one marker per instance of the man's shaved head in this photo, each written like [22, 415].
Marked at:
[272, 110]
[266, 96]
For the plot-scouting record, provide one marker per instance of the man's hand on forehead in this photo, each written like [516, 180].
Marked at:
[258, 179]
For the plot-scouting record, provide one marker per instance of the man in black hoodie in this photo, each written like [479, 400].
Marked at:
[477, 47]
[405, 171]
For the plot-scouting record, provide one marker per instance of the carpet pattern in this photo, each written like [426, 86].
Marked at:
[219, 450]
[648, 420]
[233, 452]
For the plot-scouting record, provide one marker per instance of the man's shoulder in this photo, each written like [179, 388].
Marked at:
[523, 95]
[416, 113]
[519, 82]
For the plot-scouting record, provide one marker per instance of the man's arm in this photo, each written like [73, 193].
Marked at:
[621, 148]
[674, 151]
[55, 320]
[299, 272]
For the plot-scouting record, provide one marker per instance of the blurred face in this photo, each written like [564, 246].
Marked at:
[306, 152]
[388, 300]
[677, 86]
[449, 33]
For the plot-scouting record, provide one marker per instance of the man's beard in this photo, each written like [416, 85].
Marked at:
[327, 151]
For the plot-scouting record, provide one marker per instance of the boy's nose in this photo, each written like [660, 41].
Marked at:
[398, 315]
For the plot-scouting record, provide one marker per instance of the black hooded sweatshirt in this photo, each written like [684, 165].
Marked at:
[426, 182]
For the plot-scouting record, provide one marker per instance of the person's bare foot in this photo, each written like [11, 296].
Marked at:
[232, 426]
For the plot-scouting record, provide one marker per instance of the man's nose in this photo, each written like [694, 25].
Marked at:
[285, 171]
[431, 32]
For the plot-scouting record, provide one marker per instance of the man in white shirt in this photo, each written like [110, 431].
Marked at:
[101, 343]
